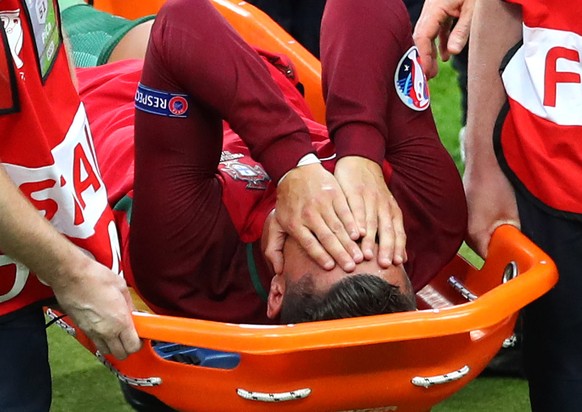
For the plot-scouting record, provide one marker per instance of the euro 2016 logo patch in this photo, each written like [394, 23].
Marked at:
[410, 81]
[161, 103]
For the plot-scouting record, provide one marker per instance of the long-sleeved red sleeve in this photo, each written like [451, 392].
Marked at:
[199, 54]
[378, 107]
[361, 45]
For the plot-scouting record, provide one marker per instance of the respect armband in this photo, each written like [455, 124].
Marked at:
[161, 103]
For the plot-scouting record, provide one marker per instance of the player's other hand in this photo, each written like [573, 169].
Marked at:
[375, 210]
[312, 208]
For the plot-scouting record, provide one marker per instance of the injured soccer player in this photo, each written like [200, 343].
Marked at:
[194, 139]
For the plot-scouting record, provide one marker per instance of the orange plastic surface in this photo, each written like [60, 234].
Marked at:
[256, 28]
[358, 363]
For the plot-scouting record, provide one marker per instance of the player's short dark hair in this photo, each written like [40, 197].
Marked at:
[357, 295]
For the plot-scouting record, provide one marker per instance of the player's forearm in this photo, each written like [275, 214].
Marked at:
[496, 28]
[30, 239]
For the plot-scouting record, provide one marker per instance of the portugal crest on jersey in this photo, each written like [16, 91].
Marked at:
[255, 176]
[410, 81]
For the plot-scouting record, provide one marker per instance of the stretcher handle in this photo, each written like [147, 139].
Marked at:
[428, 381]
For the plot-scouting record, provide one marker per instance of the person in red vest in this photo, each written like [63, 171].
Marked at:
[524, 165]
[57, 235]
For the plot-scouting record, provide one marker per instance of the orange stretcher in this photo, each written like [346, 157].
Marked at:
[405, 361]
[397, 362]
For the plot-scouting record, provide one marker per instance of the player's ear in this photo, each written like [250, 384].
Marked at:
[275, 298]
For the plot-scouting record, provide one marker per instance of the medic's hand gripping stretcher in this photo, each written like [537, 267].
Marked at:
[405, 361]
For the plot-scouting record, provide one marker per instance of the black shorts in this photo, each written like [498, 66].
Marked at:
[25, 381]
[553, 323]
